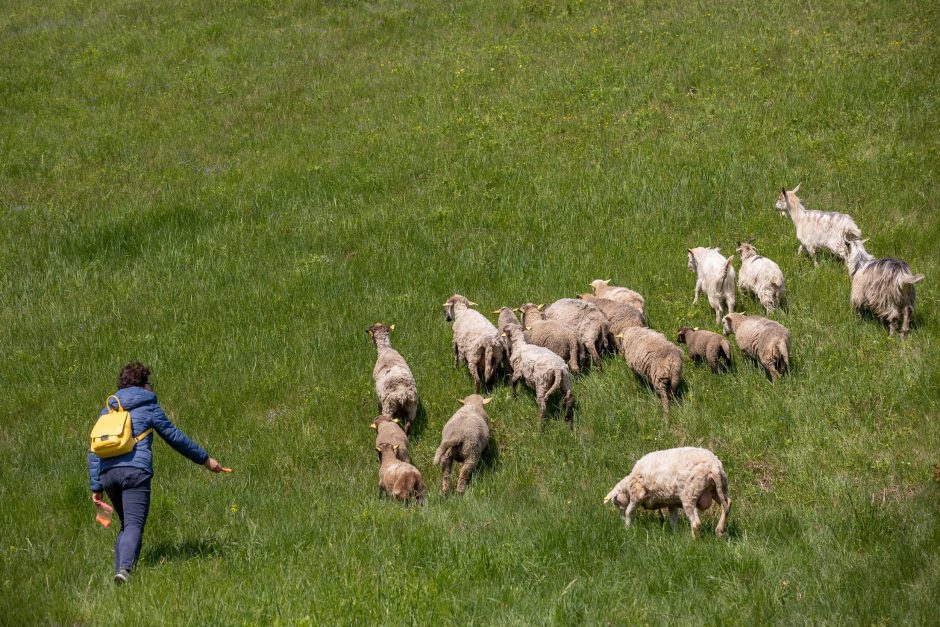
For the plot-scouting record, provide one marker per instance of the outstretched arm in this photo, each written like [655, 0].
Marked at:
[180, 442]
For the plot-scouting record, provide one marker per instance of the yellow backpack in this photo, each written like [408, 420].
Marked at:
[113, 434]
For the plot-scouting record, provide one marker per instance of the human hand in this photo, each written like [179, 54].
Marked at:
[213, 465]
[96, 497]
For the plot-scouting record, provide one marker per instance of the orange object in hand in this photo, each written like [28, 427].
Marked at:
[103, 513]
[226, 469]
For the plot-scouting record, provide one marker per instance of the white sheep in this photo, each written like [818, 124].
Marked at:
[541, 369]
[603, 289]
[653, 357]
[591, 323]
[395, 385]
[464, 439]
[714, 276]
[476, 341]
[885, 287]
[760, 276]
[688, 477]
[817, 229]
[764, 340]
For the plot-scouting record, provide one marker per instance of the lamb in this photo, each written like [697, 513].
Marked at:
[395, 385]
[542, 370]
[765, 340]
[653, 357]
[388, 429]
[620, 316]
[761, 277]
[559, 337]
[817, 229]
[590, 322]
[885, 287]
[688, 477]
[397, 478]
[476, 341]
[706, 345]
[464, 439]
[715, 276]
[603, 289]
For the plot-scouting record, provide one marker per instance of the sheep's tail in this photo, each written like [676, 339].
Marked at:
[418, 491]
[726, 348]
[720, 479]
[488, 360]
[727, 268]
[442, 452]
[557, 379]
[784, 351]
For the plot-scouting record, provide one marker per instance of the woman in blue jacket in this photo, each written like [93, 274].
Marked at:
[126, 478]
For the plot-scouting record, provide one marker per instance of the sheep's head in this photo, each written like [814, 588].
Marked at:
[730, 322]
[506, 315]
[787, 200]
[456, 302]
[383, 418]
[746, 249]
[618, 496]
[379, 331]
[599, 284]
[680, 335]
[474, 399]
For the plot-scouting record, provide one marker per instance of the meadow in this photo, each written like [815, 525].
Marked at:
[232, 192]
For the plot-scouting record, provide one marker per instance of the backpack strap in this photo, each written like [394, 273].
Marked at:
[108, 404]
[143, 435]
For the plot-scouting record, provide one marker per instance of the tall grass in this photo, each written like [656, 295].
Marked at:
[232, 192]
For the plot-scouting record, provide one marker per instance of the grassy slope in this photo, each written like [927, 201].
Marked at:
[233, 192]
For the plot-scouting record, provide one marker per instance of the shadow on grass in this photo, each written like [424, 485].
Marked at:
[164, 550]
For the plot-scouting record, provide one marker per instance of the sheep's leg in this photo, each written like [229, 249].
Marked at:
[542, 401]
[771, 366]
[711, 355]
[691, 513]
[698, 287]
[663, 391]
[906, 320]
[468, 465]
[595, 356]
[628, 513]
[892, 326]
[515, 380]
[474, 366]
[412, 412]
[456, 355]
[673, 517]
[569, 404]
[445, 473]
[718, 315]
[725, 508]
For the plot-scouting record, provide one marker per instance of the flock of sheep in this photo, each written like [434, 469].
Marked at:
[551, 343]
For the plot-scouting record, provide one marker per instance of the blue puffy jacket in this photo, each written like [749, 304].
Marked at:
[145, 413]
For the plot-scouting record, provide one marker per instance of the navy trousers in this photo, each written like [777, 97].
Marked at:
[128, 489]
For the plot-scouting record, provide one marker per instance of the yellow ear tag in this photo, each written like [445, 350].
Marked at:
[391, 328]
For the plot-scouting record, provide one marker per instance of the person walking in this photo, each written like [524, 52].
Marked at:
[126, 478]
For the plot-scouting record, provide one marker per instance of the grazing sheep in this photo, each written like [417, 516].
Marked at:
[559, 337]
[590, 322]
[688, 477]
[761, 277]
[397, 478]
[817, 229]
[476, 341]
[388, 429]
[466, 435]
[653, 357]
[706, 345]
[620, 316]
[395, 385]
[543, 371]
[715, 277]
[603, 289]
[885, 287]
[506, 315]
[765, 340]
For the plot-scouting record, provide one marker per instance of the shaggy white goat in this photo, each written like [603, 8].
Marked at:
[690, 478]
[817, 229]
[395, 385]
[476, 341]
[760, 276]
[715, 277]
[885, 287]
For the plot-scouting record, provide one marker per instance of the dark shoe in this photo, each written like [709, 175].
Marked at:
[122, 576]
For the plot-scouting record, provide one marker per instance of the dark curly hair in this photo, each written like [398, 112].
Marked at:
[134, 374]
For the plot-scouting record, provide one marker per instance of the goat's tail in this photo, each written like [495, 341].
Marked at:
[442, 451]
[724, 272]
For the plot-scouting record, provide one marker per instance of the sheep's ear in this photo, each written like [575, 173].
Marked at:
[865, 240]
[473, 304]
[541, 307]
[395, 447]
[528, 328]
[391, 328]
[487, 400]
[369, 331]
[460, 400]
[606, 499]
[378, 449]
[606, 281]
[495, 312]
[797, 188]
[619, 336]
[690, 251]
[374, 426]
[695, 328]
[396, 421]
[503, 334]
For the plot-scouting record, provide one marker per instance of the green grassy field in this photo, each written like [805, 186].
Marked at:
[233, 191]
